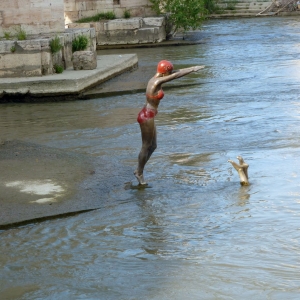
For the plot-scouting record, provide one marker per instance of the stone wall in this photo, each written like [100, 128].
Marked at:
[32, 16]
[77, 9]
[127, 31]
[33, 57]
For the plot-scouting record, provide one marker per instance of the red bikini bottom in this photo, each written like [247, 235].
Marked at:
[146, 114]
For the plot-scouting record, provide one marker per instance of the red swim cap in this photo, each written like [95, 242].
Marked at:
[164, 66]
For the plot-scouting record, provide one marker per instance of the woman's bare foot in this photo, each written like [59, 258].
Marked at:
[140, 178]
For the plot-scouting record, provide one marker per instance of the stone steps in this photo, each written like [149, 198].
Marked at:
[242, 8]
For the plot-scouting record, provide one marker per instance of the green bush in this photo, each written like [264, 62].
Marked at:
[127, 14]
[21, 35]
[80, 43]
[101, 16]
[7, 35]
[55, 45]
[58, 69]
[212, 6]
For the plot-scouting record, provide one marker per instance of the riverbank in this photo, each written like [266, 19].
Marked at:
[67, 85]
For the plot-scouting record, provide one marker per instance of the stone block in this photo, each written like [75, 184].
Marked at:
[56, 26]
[36, 28]
[57, 59]
[97, 25]
[137, 12]
[8, 16]
[46, 13]
[102, 6]
[84, 60]
[69, 5]
[89, 6]
[135, 3]
[37, 4]
[29, 45]
[80, 5]
[149, 12]
[20, 65]
[46, 63]
[156, 22]
[26, 18]
[119, 12]
[79, 25]
[67, 50]
[6, 46]
[124, 24]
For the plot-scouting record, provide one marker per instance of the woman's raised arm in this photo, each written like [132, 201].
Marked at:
[179, 73]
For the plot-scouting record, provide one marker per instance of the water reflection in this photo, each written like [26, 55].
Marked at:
[194, 233]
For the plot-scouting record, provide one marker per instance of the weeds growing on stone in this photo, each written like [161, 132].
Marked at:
[21, 35]
[127, 14]
[7, 35]
[58, 69]
[101, 16]
[55, 45]
[13, 49]
[212, 6]
[80, 43]
[231, 4]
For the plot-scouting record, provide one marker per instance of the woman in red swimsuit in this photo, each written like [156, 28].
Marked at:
[154, 94]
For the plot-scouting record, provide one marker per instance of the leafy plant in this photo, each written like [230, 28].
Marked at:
[7, 35]
[231, 4]
[58, 69]
[55, 45]
[101, 16]
[13, 49]
[127, 14]
[21, 35]
[80, 43]
[181, 14]
[212, 6]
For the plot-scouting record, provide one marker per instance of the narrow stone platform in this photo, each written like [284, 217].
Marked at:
[66, 85]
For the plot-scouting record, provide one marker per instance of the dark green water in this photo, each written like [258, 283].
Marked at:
[195, 233]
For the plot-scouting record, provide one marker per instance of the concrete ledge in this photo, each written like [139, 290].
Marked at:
[38, 182]
[70, 82]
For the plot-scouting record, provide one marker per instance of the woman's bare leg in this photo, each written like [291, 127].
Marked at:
[148, 131]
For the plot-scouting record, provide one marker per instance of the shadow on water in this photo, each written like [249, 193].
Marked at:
[195, 233]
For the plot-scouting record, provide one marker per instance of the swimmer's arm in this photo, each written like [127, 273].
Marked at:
[180, 73]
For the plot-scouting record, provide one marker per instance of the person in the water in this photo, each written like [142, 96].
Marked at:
[154, 94]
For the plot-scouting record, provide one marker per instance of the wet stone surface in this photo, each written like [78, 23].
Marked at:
[37, 182]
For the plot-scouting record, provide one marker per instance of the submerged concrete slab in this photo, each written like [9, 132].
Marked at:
[39, 182]
[69, 83]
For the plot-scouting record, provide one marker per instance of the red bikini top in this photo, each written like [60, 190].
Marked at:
[159, 95]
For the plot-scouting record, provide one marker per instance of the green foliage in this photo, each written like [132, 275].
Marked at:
[80, 43]
[231, 4]
[21, 35]
[55, 45]
[181, 14]
[58, 69]
[127, 14]
[7, 35]
[13, 49]
[101, 16]
[212, 6]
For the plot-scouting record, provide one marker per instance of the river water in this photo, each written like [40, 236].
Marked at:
[195, 233]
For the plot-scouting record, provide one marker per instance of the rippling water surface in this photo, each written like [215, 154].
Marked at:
[195, 233]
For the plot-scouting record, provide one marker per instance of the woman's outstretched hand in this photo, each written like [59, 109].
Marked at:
[197, 68]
